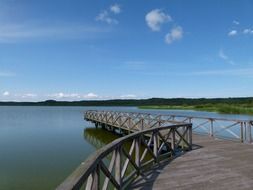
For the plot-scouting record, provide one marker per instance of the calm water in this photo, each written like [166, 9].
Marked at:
[41, 146]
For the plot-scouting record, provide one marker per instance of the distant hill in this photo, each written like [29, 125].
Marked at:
[136, 102]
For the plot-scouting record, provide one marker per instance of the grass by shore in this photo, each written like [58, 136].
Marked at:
[220, 108]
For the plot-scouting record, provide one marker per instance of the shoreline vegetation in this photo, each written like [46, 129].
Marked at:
[240, 105]
[219, 108]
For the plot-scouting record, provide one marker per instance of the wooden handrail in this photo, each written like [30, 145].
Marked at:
[171, 115]
[215, 127]
[160, 142]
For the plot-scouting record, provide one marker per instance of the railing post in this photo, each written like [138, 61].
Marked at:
[159, 121]
[249, 139]
[120, 121]
[173, 140]
[155, 146]
[89, 183]
[189, 133]
[241, 135]
[97, 178]
[137, 151]
[190, 136]
[211, 128]
[245, 131]
[129, 123]
[118, 166]
[93, 182]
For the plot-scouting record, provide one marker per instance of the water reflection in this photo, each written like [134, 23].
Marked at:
[99, 137]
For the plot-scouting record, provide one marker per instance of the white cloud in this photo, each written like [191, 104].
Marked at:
[29, 95]
[6, 93]
[105, 17]
[58, 95]
[156, 18]
[175, 34]
[247, 31]
[73, 96]
[223, 56]
[128, 96]
[91, 96]
[232, 33]
[115, 9]
[236, 22]
[6, 96]
[61, 95]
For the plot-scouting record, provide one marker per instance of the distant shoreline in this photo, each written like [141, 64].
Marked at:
[237, 105]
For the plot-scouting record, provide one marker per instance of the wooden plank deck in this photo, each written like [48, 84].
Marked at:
[212, 164]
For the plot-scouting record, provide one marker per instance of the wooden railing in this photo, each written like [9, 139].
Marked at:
[151, 138]
[119, 163]
[129, 121]
[233, 129]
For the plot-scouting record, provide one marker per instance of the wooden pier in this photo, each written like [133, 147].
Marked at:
[154, 153]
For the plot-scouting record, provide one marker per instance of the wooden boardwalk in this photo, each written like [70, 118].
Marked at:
[158, 156]
[212, 164]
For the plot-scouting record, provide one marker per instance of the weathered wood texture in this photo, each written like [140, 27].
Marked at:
[212, 164]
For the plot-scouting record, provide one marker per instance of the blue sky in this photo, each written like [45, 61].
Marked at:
[76, 49]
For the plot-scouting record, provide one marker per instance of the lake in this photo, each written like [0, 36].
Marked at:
[41, 146]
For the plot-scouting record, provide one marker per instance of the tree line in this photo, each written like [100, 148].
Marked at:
[137, 102]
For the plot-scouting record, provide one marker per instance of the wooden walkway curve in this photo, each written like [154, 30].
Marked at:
[212, 164]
